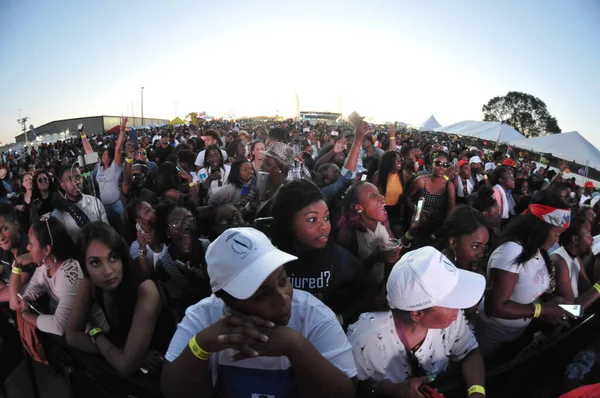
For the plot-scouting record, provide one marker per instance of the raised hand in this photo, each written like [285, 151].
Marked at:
[339, 145]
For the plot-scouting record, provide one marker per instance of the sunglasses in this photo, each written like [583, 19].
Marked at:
[42, 180]
[445, 165]
[188, 223]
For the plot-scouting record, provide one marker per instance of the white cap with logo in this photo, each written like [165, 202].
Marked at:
[425, 278]
[241, 259]
[475, 159]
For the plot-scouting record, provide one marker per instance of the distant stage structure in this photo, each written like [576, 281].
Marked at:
[317, 115]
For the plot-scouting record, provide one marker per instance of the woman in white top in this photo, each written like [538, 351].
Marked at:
[148, 248]
[520, 271]
[58, 275]
[214, 172]
[364, 226]
[571, 281]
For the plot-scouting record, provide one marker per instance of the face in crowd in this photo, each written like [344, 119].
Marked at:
[182, 230]
[146, 216]
[9, 234]
[311, 225]
[36, 251]
[28, 182]
[257, 152]
[104, 266]
[370, 204]
[72, 183]
[272, 300]
[140, 155]
[470, 248]
[440, 165]
[227, 216]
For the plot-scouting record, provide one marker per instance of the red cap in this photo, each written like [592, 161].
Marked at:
[589, 184]
[508, 162]
[461, 163]
[420, 161]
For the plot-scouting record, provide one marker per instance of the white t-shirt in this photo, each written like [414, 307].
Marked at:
[200, 158]
[369, 240]
[266, 376]
[150, 255]
[573, 266]
[108, 182]
[533, 281]
[380, 355]
[214, 185]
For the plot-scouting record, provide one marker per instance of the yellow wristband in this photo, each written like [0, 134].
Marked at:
[94, 332]
[16, 270]
[537, 310]
[198, 351]
[340, 319]
[408, 236]
[192, 184]
[476, 389]
[597, 287]
[83, 136]
[392, 138]
[129, 160]
[446, 177]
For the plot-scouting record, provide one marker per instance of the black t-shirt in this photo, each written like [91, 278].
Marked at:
[7, 259]
[162, 153]
[333, 275]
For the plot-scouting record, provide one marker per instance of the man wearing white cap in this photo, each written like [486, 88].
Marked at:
[256, 336]
[399, 350]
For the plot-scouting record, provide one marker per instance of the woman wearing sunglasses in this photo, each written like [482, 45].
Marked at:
[41, 194]
[181, 271]
[438, 194]
[57, 274]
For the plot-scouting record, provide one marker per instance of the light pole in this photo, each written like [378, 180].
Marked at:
[142, 106]
[22, 122]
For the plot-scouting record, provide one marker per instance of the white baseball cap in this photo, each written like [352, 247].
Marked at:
[475, 159]
[241, 259]
[425, 278]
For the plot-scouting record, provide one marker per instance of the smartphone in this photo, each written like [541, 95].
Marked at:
[419, 208]
[133, 138]
[138, 227]
[261, 182]
[363, 177]
[245, 190]
[573, 309]
[29, 304]
[265, 225]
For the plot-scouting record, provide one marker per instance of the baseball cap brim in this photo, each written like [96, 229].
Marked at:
[247, 282]
[467, 292]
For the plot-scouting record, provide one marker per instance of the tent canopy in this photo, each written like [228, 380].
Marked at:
[176, 121]
[429, 125]
[491, 131]
[569, 146]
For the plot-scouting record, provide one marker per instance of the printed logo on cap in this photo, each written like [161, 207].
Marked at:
[449, 266]
[240, 244]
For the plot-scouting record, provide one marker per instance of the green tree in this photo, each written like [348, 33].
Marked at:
[526, 113]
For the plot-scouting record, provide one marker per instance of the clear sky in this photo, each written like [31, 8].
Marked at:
[393, 60]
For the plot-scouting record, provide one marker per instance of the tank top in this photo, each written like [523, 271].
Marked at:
[393, 189]
[435, 205]
[573, 266]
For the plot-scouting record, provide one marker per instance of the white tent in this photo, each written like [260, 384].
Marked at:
[429, 124]
[569, 146]
[490, 131]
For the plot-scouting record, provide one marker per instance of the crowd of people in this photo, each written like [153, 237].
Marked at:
[272, 259]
